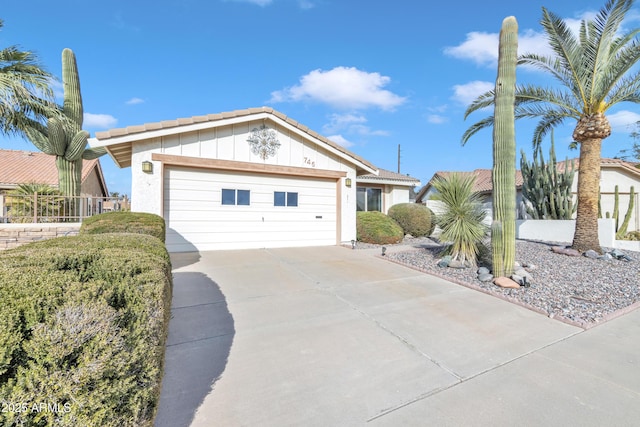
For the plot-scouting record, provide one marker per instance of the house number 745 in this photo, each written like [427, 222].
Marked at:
[308, 161]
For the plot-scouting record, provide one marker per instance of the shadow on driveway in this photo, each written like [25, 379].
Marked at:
[201, 333]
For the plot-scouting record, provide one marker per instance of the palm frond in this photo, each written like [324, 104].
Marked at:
[474, 128]
[482, 101]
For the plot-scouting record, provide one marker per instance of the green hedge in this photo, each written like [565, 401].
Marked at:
[125, 222]
[83, 324]
[414, 219]
[376, 227]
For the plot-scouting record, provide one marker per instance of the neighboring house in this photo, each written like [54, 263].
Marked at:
[482, 185]
[380, 192]
[613, 172]
[27, 167]
[251, 178]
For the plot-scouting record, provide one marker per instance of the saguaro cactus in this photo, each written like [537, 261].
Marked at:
[622, 231]
[503, 233]
[63, 137]
[547, 190]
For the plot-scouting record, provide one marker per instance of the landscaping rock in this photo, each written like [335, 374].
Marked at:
[565, 251]
[518, 279]
[606, 257]
[524, 274]
[529, 267]
[485, 277]
[457, 264]
[444, 262]
[592, 254]
[483, 270]
[505, 282]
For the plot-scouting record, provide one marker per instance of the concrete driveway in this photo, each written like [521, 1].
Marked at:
[331, 336]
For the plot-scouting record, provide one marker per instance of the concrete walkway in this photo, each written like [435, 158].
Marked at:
[337, 337]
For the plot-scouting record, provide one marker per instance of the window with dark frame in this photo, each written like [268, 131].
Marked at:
[236, 197]
[285, 198]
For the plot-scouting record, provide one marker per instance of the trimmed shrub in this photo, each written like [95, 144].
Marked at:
[83, 324]
[376, 227]
[414, 219]
[125, 222]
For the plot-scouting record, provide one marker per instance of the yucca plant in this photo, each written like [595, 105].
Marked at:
[461, 218]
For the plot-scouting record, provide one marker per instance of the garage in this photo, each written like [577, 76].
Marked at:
[243, 179]
[210, 210]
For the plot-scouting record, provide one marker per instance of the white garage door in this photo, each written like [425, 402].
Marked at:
[209, 210]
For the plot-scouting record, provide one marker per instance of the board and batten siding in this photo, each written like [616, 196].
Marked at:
[197, 220]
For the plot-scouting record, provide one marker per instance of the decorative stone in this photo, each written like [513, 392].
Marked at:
[529, 267]
[606, 257]
[483, 270]
[592, 254]
[485, 277]
[444, 262]
[456, 264]
[505, 282]
[523, 273]
[516, 264]
[565, 251]
[518, 279]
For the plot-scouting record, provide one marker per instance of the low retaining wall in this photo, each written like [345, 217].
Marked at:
[561, 231]
[13, 235]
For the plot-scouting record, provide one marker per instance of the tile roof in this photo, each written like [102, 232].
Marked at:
[23, 167]
[384, 174]
[483, 182]
[123, 150]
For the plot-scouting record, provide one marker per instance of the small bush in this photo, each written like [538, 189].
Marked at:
[83, 324]
[125, 222]
[378, 228]
[414, 219]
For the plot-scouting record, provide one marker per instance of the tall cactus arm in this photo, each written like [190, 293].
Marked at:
[57, 136]
[72, 97]
[93, 153]
[627, 218]
[77, 145]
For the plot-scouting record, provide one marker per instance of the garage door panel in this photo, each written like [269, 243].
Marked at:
[197, 220]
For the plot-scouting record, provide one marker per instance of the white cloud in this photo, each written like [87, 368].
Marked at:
[134, 101]
[343, 88]
[482, 47]
[623, 121]
[102, 121]
[340, 140]
[352, 124]
[467, 93]
[436, 119]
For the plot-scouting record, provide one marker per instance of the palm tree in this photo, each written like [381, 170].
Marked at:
[595, 70]
[26, 98]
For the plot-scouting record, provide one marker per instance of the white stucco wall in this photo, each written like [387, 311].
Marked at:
[230, 143]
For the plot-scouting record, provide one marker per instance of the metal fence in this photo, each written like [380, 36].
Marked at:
[41, 208]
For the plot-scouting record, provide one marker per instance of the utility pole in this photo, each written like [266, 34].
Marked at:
[398, 158]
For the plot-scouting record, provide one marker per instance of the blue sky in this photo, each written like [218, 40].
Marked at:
[369, 74]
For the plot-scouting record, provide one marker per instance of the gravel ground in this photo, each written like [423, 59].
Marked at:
[579, 290]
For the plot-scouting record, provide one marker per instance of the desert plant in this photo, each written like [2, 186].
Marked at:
[595, 69]
[415, 219]
[462, 216]
[622, 231]
[63, 137]
[26, 97]
[125, 222]
[547, 189]
[503, 227]
[378, 228]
